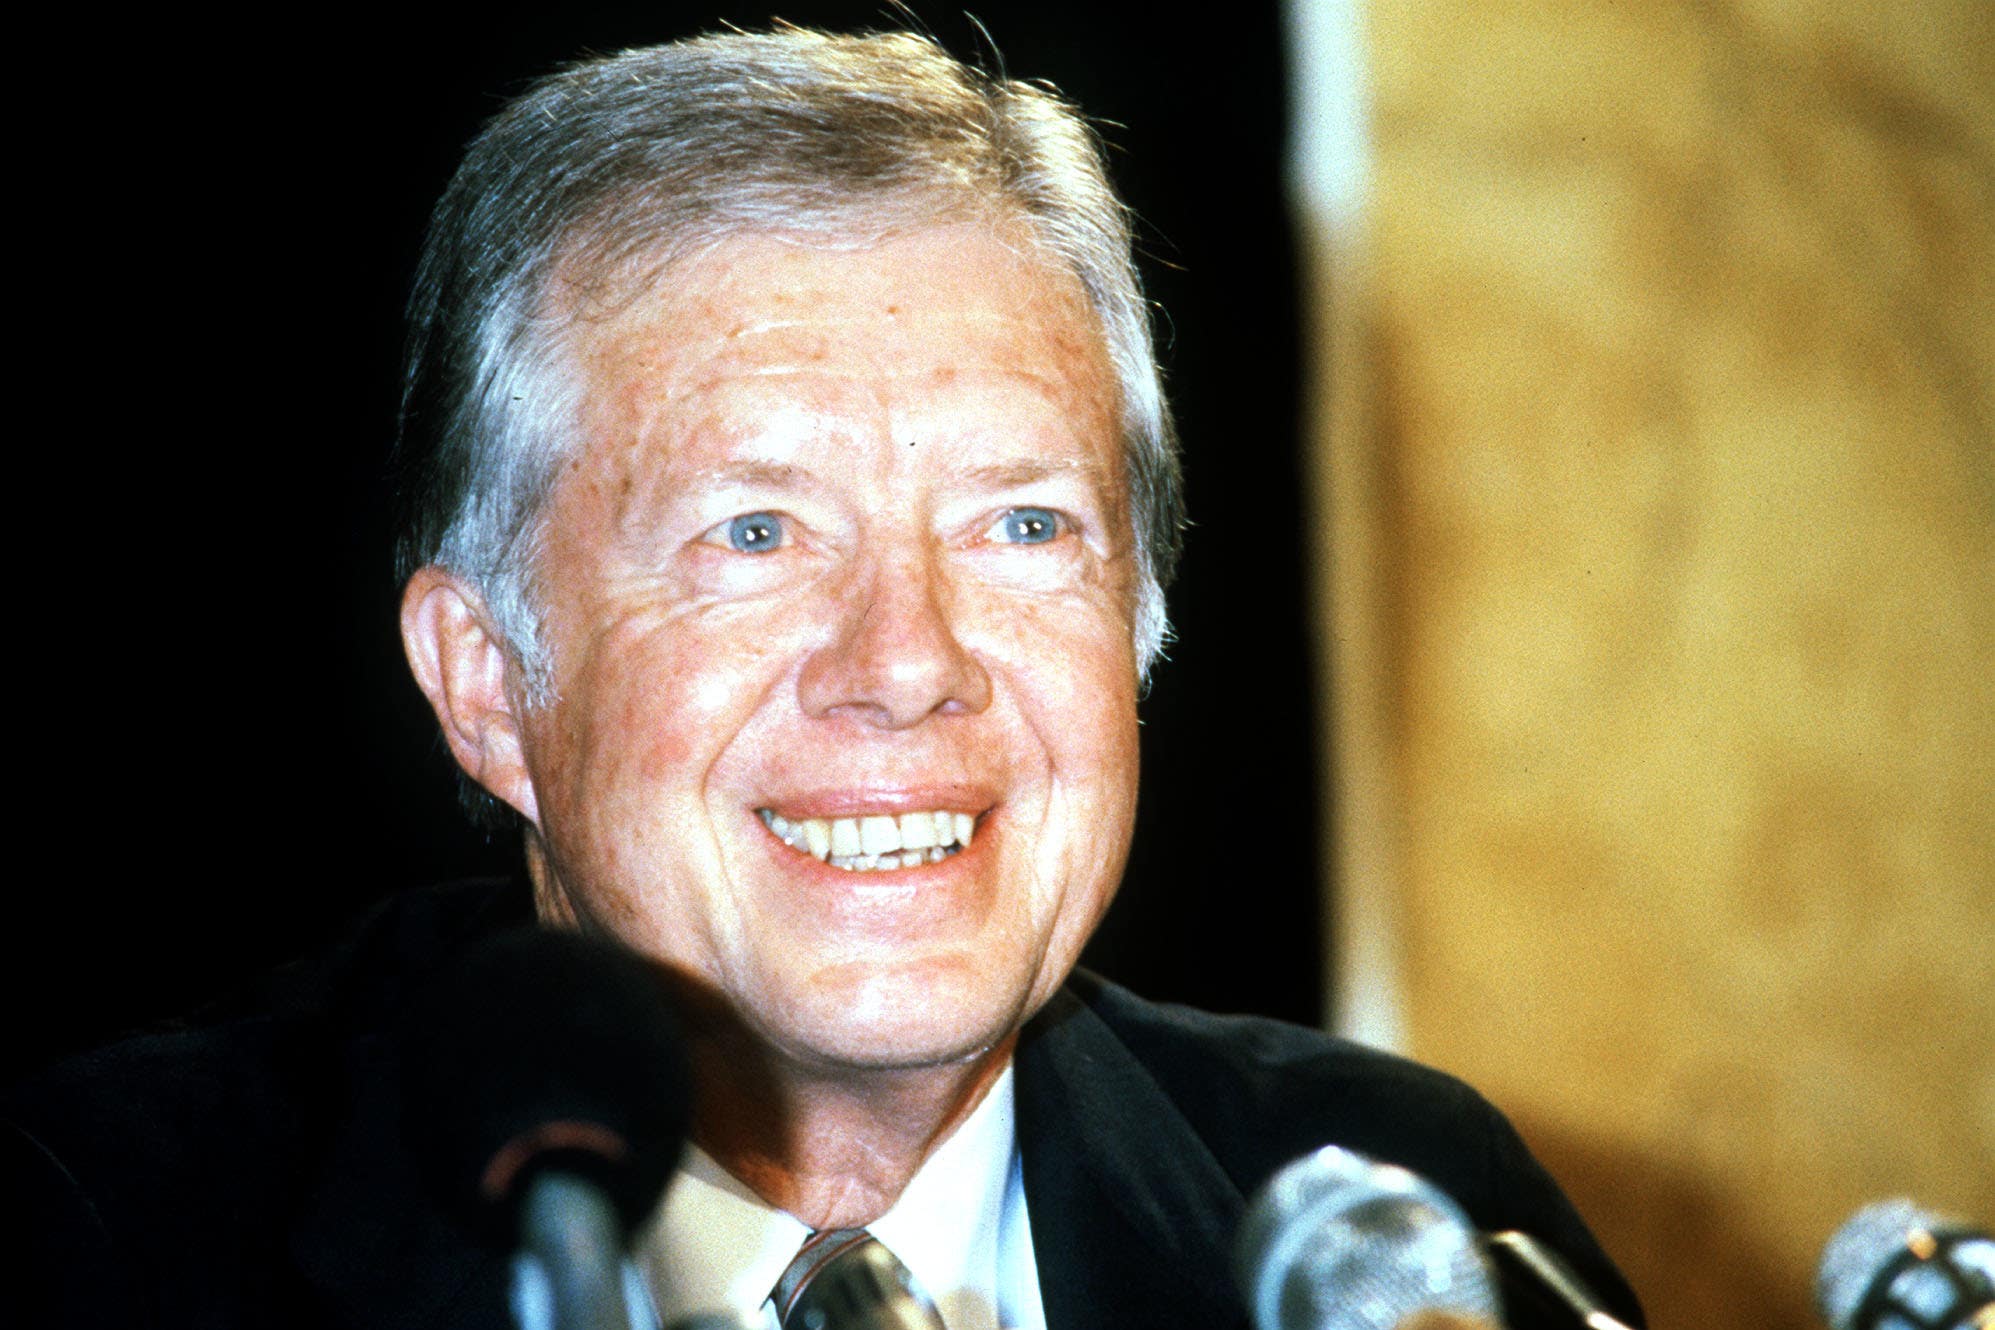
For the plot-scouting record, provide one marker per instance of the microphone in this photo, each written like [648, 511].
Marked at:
[1896, 1266]
[1335, 1241]
[546, 1098]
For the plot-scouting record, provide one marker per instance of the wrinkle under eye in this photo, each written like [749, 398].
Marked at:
[755, 533]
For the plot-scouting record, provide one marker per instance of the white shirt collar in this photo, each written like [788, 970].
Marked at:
[714, 1246]
[945, 1226]
[959, 1226]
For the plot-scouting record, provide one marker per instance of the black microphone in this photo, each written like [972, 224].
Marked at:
[1544, 1271]
[1336, 1241]
[546, 1097]
[1896, 1266]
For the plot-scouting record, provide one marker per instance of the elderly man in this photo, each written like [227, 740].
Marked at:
[796, 499]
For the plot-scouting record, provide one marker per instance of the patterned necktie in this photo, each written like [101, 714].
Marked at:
[842, 1272]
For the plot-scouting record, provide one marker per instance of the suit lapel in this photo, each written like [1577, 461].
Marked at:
[1132, 1217]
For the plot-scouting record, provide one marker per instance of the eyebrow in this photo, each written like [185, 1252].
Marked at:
[637, 509]
[1025, 471]
[770, 475]
[995, 475]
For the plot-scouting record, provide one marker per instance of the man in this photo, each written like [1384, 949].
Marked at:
[796, 500]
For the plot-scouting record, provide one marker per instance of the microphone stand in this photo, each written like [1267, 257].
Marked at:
[568, 1273]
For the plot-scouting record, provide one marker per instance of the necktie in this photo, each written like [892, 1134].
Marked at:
[841, 1274]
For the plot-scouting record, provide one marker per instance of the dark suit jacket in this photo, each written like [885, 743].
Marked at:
[1145, 1129]
[251, 1171]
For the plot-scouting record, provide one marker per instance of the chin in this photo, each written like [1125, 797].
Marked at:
[906, 1016]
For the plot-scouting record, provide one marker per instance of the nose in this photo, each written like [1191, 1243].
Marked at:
[895, 658]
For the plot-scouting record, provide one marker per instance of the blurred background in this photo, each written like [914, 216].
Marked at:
[1653, 457]
[1586, 674]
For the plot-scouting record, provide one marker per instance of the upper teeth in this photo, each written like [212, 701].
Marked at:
[877, 841]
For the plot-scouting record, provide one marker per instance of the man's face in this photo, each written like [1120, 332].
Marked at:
[839, 589]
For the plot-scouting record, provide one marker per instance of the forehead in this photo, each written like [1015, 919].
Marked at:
[956, 318]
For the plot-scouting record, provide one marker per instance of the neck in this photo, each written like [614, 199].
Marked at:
[833, 1147]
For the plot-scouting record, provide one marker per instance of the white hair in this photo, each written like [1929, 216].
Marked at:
[616, 167]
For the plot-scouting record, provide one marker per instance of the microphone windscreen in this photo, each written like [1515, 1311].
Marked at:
[542, 1048]
[1336, 1241]
[1897, 1262]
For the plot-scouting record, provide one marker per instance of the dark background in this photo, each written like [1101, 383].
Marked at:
[219, 756]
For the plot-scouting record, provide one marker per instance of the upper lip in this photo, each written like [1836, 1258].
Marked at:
[861, 801]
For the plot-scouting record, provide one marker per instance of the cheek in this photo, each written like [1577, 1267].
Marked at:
[1083, 632]
[670, 751]
[1075, 676]
[1078, 671]
[686, 689]
[664, 716]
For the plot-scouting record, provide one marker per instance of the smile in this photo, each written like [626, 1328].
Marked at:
[872, 844]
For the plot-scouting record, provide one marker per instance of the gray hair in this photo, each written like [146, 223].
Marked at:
[616, 167]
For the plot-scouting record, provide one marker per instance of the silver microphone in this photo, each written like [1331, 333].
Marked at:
[1336, 1241]
[1896, 1266]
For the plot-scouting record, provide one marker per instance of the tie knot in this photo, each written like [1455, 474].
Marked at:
[840, 1274]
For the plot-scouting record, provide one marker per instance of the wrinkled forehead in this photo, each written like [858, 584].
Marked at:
[953, 300]
[595, 284]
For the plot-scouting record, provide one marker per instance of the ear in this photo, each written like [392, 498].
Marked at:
[461, 665]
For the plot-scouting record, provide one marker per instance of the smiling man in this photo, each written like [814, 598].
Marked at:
[803, 500]
[839, 588]
[807, 650]
[794, 498]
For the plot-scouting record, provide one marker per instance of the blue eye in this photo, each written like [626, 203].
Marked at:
[755, 533]
[1029, 526]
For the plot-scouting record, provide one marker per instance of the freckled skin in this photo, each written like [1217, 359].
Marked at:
[894, 641]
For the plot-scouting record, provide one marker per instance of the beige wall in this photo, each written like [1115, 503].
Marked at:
[1664, 605]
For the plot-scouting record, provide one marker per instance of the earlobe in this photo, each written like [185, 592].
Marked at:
[461, 664]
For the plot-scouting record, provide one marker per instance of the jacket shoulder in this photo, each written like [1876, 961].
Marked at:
[1259, 1093]
[164, 1167]
[232, 1081]
[1262, 1092]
